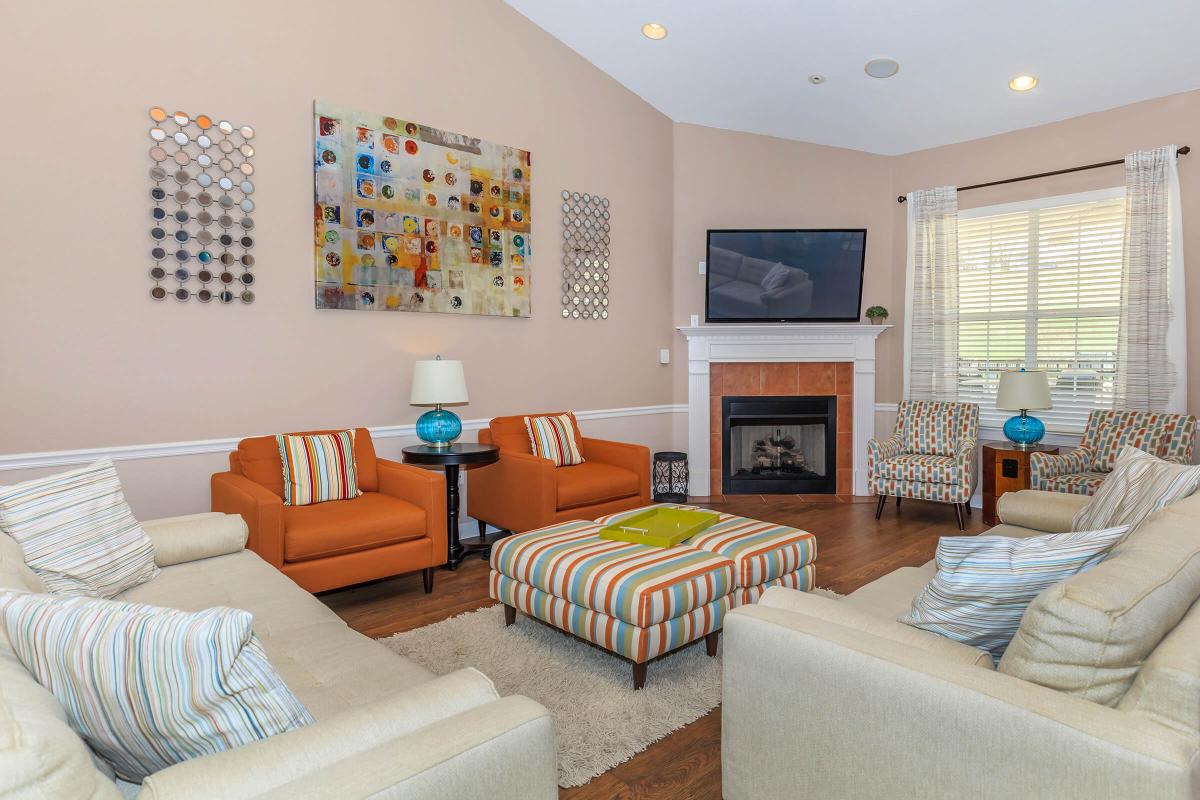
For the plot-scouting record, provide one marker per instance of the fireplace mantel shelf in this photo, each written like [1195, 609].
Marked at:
[815, 342]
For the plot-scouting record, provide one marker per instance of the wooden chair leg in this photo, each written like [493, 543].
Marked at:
[897, 501]
[879, 507]
[510, 615]
[958, 513]
[427, 579]
[967, 507]
[482, 529]
[710, 643]
[639, 675]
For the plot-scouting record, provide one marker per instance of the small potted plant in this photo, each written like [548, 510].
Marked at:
[877, 314]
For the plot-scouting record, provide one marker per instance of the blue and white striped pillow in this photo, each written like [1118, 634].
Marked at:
[148, 687]
[984, 583]
[77, 532]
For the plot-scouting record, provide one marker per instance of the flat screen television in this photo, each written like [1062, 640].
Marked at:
[784, 275]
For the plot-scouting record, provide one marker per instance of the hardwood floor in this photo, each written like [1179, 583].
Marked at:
[852, 549]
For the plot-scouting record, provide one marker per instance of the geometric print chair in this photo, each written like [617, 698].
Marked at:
[1081, 471]
[929, 456]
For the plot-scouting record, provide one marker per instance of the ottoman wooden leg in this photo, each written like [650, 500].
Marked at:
[510, 615]
[710, 643]
[639, 675]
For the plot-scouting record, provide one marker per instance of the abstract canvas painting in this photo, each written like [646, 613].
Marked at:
[413, 218]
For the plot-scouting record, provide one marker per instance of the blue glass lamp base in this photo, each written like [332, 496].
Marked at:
[1024, 431]
[439, 427]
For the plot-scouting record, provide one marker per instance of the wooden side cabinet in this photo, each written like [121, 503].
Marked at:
[1005, 469]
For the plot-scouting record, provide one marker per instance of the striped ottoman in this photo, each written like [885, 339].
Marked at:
[640, 602]
[765, 554]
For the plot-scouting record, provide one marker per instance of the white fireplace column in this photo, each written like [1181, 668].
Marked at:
[708, 344]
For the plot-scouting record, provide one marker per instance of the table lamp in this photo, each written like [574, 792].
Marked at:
[437, 382]
[1024, 391]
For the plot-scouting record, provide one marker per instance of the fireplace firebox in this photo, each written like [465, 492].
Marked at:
[779, 445]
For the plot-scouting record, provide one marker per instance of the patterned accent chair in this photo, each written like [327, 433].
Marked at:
[1169, 436]
[930, 455]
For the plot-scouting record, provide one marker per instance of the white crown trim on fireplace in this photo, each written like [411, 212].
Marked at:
[799, 343]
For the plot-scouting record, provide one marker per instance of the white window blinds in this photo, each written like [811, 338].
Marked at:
[1040, 287]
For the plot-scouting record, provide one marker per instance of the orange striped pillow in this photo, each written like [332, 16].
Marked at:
[554, 438]
[318, 467]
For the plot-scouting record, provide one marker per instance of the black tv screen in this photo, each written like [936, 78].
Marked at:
[784, 275]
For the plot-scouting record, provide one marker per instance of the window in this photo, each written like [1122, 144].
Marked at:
[1040, 287]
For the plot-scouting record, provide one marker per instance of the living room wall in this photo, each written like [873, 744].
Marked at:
[729, 179]
[92, 361]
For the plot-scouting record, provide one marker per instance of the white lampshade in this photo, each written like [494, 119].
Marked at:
[438, 381]
[1024, 390]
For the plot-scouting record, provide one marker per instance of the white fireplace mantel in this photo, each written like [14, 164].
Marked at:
[796, 342]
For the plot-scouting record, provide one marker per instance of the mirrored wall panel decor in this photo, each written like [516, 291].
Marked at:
[201, 202]
[413, 218]
[586, 239]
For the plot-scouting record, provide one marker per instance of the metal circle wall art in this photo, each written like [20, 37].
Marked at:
[585, 261]
[180, 214]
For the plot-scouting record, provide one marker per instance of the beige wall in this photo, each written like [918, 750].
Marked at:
[726, 179]
[90, 360]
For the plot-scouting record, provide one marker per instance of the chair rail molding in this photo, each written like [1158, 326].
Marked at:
[799, 342]
[59, 458]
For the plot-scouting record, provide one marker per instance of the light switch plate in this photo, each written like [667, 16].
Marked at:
[664, 356]
[703, 267]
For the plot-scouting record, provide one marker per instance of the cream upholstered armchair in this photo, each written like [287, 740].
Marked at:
[1169, 436]
[929, 456]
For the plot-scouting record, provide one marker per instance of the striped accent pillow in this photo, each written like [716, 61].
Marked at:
[554, 438]
[77, 533]
[984, 583]
[1139, 485]
[318, 467]
[148, 687]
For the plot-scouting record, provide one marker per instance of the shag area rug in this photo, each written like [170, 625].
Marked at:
[601, 721]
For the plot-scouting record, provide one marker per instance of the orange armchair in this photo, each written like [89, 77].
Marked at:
[521, 492]
[397, 524]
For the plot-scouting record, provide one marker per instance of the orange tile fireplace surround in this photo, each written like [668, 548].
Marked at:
[784, 379]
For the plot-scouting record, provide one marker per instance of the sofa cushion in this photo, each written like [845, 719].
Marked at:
[77, 533]
[777, 276]
[740, 298]
[592, 482]
[1052, 512]
[919, 467]
[754, 270]
[984, 583]
[929, 431]
[1113, 437]
[346, 526]
[259, 460]
[1139, 485]
[848, 616]
[510, 434]
[14, 572]
[147, 686]
[1167, 687]
[1090, 634]
[892, 595]
[553, 437]
[318, 467]
[326, 664]
[1082, 483]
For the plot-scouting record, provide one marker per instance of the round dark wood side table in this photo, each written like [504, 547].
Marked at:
[461, 454]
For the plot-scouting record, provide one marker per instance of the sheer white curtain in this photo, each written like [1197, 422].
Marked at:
[931, 299]
[1152, 345]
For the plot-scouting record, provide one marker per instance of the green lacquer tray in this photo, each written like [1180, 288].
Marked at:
[659, 527]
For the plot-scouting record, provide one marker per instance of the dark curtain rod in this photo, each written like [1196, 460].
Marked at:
[1183, 151]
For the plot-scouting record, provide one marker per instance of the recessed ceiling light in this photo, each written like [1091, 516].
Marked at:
[652, 30]
[816, 79]
[1022, 83]
[882, 67]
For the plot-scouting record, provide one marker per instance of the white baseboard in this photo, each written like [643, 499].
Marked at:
[58, 458]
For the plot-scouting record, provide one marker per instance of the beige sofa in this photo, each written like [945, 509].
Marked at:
[830, 697]
[385, 727]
